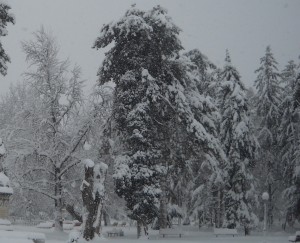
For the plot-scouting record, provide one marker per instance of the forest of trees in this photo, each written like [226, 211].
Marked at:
[166, 133]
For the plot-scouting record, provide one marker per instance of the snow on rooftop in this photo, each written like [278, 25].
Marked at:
[2, 148]
[6, 190]
[4, 184]
[4, 181]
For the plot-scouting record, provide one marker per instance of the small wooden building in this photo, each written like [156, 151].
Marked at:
[5, 192]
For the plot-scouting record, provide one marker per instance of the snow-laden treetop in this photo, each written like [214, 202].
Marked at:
[5, 18]
[141, 39]
[88, 163]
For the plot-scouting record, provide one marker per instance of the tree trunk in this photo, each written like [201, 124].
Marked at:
[70, 209]
[58, 202]
[223, 207]
[142, 229]
[200, 213]
[89, 230]
[219, 210]
[270, 206]
[106, 218]
[58, 216]
[97, 223]
[138, 228]
[92, 224]
[89, 204]
[93, 202]
[163, 213]
[246, 230]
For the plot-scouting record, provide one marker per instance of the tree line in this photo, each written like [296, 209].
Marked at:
[181, 137]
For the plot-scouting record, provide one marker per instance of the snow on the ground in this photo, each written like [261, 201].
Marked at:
[21, 235]
[6, 240]
[191, 235]
[5, 222]
[46, 225]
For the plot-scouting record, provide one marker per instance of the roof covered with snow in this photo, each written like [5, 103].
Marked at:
[2, 148]
[4, 184]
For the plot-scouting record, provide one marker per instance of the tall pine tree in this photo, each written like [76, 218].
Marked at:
[202, 176]
[289, 142]
[267, 111]
[203, 70]
[239, 145]
[140, 65]
[289, 77]
[151, 96]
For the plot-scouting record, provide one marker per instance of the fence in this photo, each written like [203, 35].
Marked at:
[25, 221]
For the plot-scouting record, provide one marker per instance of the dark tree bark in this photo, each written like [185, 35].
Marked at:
[142, 229]
[92, 202]
[106, 218]
[163, 214]
[70, 209]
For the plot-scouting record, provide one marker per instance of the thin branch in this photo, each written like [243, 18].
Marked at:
[65, 159]
[68, 167]
[37, 169]
[39, 191]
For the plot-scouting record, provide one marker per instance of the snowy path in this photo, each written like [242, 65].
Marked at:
[190, 236]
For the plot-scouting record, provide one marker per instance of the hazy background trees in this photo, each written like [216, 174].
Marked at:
[181, 136]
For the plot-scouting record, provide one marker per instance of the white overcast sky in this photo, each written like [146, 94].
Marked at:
[245, 27]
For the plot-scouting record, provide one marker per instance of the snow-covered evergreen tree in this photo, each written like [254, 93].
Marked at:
[236, 133]
[293, 192]
[203, 176]
[289, 77]
[151, 96]
[144, 43]
[289, 142]
[5, 18]
[268, 97]
[203, 70]
[288, 124]
[267, 117]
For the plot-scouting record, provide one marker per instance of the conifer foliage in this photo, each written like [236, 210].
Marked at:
[268, 99]
[5, 18]
[153, 93]
[173, 134]
[203, 70]
[140, 64]
[289, 142]
[239, 145]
